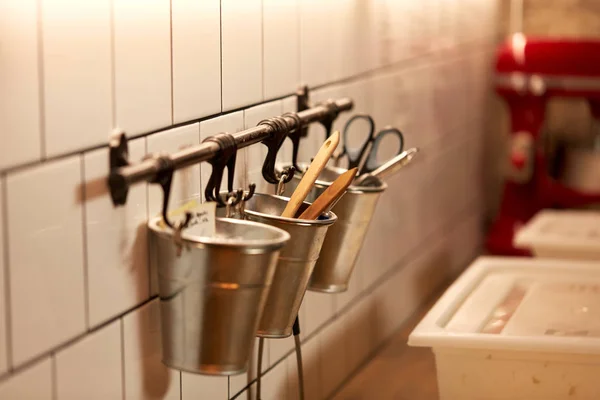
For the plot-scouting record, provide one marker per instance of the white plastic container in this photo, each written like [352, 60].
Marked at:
[573, 235]
[517, 328]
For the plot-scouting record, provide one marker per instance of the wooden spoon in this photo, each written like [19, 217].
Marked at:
[332, 194]
[311, 175]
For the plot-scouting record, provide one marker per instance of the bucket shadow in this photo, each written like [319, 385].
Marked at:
[156, 377]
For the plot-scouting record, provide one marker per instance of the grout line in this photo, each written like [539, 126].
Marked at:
[171, 54]
[406, 63]
[85, 266]
[299, 43]
[54, 376]
[113, 75]
[362, 295]
[6, 288]
[221, 49]
[180, 385]
[73, 340]
[41, 91]
[122, 334]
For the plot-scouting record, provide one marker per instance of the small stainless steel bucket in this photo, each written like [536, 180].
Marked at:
[295, 264]
[212, 296]
[344, 240]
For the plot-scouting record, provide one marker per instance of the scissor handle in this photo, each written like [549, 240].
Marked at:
[372, 164]
[356, 155]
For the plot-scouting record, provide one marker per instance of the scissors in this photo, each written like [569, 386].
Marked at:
[365, 157]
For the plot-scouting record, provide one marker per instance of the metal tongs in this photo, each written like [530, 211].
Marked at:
[387, 169]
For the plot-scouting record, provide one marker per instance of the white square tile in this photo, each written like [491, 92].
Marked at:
[354, 288]
[352, 31]
[3, 327]
[312, 368]
[77, 74]
[117, 261]
[195, 386]
[315, 42]
[142, 65]
[318, 309]
[186, 182]
[358, 325]
[91, 368]
[333, 353]
[19, 80]
[281, 38]
[34, 383]
[274, 385]
[291, 366]
[146, 377]
[230, 123]
[45, 246]
[241, 37]
[196, 31]
[256, 154]
[279, 348]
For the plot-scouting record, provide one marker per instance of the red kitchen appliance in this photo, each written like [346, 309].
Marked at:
[529, 72]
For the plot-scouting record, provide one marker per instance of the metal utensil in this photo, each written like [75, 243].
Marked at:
[387, 169]
[365, 156]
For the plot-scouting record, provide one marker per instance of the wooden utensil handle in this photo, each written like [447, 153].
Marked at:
[334, 192]
[311, 175]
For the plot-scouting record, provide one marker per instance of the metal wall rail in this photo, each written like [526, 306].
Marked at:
[123, 174]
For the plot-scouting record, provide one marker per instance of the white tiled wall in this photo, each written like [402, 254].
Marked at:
[78, 313]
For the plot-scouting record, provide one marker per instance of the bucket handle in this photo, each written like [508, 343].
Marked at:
[225, 158]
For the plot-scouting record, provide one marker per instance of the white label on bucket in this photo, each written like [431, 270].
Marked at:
[203, 219]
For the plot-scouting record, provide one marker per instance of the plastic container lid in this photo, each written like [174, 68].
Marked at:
[523, 304]
[578, 231]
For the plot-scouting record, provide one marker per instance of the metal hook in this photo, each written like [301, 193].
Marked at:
[274, 141]
[302, 104]
[233, 199]
[250, 193]
[332, 113]
[286, 175]
[225, 158]
[246, 196]
[164, 177]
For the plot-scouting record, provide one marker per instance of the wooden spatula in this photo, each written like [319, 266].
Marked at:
[330, 195]
[311, 175]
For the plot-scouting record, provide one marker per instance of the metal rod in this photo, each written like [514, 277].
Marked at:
[146, 170]
[298, 347]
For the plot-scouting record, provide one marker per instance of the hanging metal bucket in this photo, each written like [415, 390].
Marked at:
[295, 264]
[212, 296]
[344, 240]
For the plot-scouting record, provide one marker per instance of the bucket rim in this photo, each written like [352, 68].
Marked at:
[351, 189]
[292, 221]
[201, 241]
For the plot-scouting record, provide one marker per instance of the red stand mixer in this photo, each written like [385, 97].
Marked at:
[530, 71]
